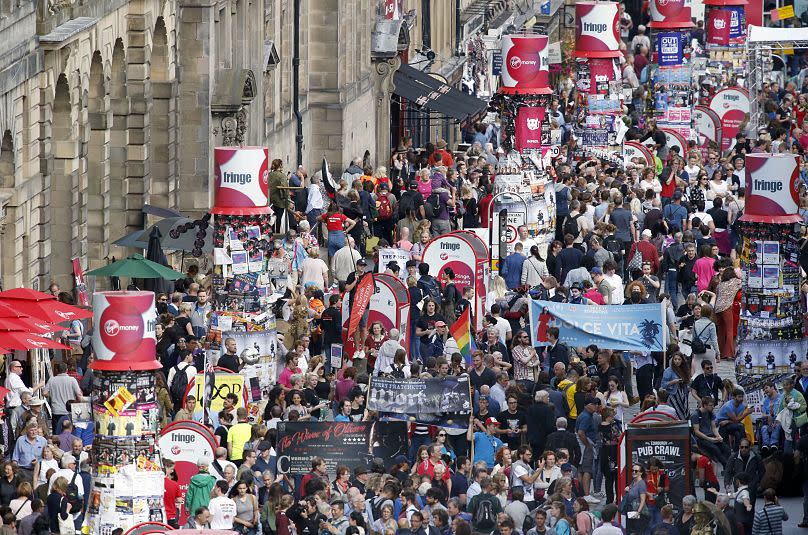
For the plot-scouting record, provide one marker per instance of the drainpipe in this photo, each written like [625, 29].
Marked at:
[458, 28]
[296, 84]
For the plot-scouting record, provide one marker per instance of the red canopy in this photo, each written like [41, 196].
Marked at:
[47, 310]
[27, 294]
[29, 325]
[24, 341]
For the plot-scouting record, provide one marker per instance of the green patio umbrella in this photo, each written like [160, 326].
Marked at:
[136, 267]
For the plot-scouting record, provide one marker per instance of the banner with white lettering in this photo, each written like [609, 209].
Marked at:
[399, 256]
[669, 444]
[669, 48]
[353, 444]
[444, 402]
[626, 327]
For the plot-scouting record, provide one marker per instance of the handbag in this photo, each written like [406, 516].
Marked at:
[801, 419]
[67, 526]
[697, 345]
[635, 264]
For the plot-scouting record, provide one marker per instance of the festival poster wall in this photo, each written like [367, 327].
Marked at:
[670, 48]
[626, 327]
[444, 402]
[528, 126]
[353, 444]
[669, 444]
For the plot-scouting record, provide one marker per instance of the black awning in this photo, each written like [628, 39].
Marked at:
[427, 92]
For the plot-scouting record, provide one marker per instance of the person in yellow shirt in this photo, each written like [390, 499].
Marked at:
[238, 436]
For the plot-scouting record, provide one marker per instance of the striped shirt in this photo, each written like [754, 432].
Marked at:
[769, 520]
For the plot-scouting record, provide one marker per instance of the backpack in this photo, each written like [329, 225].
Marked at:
[674, 225]
[179, 385]
[431, 290]
[385, 207]
[484, 517]
[571, 226]
[432, 205]
[566, 403]
[376, 506]
[614, 246]
[72, 495]
[397, 373]
[697, 345]
[593, 522]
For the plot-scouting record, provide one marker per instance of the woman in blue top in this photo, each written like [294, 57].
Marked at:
[676, 380]
[563, 525]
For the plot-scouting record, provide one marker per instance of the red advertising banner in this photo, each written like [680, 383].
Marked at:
[596, 33]
[81, 285]
[772, 188]
[718, 27]
[528, 127]
[363, 291]
[525, 65]
[241, 180]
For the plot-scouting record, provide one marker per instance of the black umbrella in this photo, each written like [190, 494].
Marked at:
[154, 252]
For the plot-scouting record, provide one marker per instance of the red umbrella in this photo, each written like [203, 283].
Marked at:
[24, 341]
[27, 294]
[50, 310]
[28, 324]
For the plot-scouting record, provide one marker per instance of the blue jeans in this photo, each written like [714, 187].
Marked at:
[655, 520]
[672, 287]
[771, 434]
[336, 241]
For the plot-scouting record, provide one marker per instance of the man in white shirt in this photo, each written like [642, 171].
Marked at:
[220, 463]
[502, 325]
[15, 383]
[525, 239]
[222, 509]
[60, 389]
[345, 259]
[186, 366]
[67, 471]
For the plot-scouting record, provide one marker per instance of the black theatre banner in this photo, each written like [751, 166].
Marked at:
[669, 444]
[349, 443]
[444, 402]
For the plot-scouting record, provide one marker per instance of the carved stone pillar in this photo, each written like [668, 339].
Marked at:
[382, 90]
[138, 86]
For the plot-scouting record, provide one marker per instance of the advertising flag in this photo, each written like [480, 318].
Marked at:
[364, 289]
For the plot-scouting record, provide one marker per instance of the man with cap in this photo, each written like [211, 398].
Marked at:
[34, 413]
[199, 488]
[361, 475]
[486, 442]
[647, 249]
[68, 471]
[587, 431]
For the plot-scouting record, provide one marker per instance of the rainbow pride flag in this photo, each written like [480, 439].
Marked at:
[461, 332]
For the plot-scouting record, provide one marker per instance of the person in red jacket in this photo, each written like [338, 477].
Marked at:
[647, 249]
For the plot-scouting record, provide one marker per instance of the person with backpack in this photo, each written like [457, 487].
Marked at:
[441, 202]
[178, 378]
[484, 508]
[386, 209]
[429, 285]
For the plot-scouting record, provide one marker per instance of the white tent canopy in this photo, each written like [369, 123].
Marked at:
[762, 35]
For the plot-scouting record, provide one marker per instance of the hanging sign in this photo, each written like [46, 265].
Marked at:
[596, 30]
[719, 27]
[528, 127]
[670, 49]
[732, 107]
[707, 126]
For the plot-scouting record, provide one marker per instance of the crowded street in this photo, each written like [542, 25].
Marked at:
[404, 267]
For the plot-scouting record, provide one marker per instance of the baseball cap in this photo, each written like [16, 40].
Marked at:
[592, 400]
[361, 262]
[596, 270]
[491, 421]
[35, 402]
[264, 445]
[440, 324]
[359, 470]
[566, 467]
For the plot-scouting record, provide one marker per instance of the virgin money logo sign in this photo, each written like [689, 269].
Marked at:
[671, 11]
[125, 326]
[444, 256]
[112, 328]
[526, 64]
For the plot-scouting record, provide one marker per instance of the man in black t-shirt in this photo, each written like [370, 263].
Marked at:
[230, 359]
[706, 383]
[513, 423]
[480, 374]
